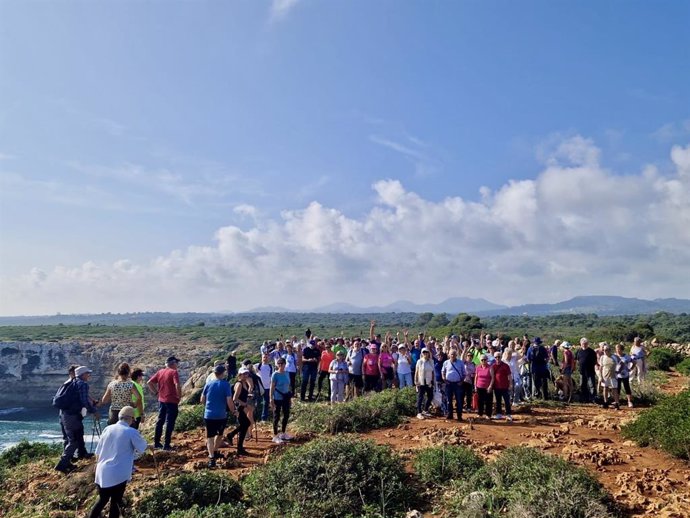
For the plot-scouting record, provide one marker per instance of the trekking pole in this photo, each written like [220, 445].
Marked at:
[155, 464]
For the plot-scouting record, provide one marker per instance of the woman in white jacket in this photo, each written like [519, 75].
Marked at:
[424, 383]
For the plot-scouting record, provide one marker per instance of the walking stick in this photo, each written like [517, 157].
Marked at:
[155, 464]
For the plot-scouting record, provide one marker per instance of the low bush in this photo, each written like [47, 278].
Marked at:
[665, 426]
[646, 393]
[440, 465]
[525, 483]
[663, 359]
[182, 492]
[190, 417]
[331, 477]
[380, 410]
[216, 511]
[26, 451]
[684, 367]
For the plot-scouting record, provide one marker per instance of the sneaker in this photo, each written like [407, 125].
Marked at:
[498, 416]
[426, 414]
[211, 463]
[420, 416]
[509, 418]
[277, 439]
[630, 405]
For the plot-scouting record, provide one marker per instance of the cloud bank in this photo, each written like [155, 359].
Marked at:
[576, 228]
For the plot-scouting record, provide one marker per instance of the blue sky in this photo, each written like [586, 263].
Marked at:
[173, 155]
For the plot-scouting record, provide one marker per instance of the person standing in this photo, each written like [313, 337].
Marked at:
[121, 393]
[240, 395]
[503, 382]
[587, 360]
[138, 380]
[338, 376]
[117, 448]
[72, 419]
[310, 362]
[623, 364]
[453, 373]
[166, 385]
[468, 382]
[70, 379]
[291, 365]
[567, 369]
[281, 399]
[264, 371]
[217, 399]
[424, 378]
[355, 361]
[370, 369]
[609, 383]
[639, 356]
[403, 366]
[327, 356]
[231, 365]
[538, 357]
[484, 384]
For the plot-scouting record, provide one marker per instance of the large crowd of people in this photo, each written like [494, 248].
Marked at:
[485, 375]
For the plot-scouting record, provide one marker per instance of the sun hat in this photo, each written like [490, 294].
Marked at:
[82, 370]
[566, 345]
[537, 340]
[126, 411]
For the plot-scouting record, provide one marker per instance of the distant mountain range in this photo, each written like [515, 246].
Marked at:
[599, 304]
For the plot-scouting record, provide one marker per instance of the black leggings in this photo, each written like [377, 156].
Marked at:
[293, 377]
[485, 405]
[113, 494]
[323, 375]
[242, 427]
[284, 406]
[468, 391]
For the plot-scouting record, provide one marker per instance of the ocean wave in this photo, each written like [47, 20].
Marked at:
[8, 411]
[50, 436]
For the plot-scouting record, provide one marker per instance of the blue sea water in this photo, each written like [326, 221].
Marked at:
[34, 425]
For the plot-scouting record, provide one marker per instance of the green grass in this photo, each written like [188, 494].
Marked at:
[526, 483]
[440, 465]
[665, 426]
[334, 477]
[381, 410]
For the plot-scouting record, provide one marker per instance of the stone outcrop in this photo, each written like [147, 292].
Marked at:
[31, 372]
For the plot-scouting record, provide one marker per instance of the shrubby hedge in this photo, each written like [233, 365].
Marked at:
[190, 417]
[440, 465]
[216, 511]
[525, 483]
[202, 489]
[663, 359]
[27, 451]
[665, 426]
[380, 410]
[684, 367]
[332, 477]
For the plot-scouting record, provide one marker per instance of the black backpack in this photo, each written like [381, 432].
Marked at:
[67, 397]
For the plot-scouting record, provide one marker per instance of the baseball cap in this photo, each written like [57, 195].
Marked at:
[82, 370]
[425, 350]
[243, 370]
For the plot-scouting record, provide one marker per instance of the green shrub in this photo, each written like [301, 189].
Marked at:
[203, 489]
[525, 483]
[380, 410]
[217, 511]
[663, 359]
[665, 426]
[439, 465]
[331, 477]
[190, 417]
[646, 393]
[684, 367]
[26, 451]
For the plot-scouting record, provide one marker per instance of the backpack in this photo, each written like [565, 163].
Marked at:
[258, 386]
[67, 397]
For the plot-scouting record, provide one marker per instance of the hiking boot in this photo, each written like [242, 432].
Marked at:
[66, 469]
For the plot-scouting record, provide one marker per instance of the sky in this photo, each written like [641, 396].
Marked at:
[221, 156]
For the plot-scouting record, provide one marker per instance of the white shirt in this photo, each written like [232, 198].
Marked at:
[116, 450]
[264, 370]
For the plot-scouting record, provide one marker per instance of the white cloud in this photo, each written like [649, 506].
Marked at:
[576, 228]
[672, 131]
[280, 9]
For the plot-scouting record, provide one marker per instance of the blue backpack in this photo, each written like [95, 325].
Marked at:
[67, 397]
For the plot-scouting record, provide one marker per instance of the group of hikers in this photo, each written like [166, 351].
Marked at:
[487, 375]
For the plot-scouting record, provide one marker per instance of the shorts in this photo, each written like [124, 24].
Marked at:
[357, 380]
[609, 383]
[214, 427]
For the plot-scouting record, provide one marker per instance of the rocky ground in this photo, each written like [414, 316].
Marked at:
[646, 482]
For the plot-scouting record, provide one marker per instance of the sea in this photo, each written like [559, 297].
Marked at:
[33, 425]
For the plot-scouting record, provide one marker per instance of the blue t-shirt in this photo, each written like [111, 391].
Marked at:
[282, 384]
[216, 393]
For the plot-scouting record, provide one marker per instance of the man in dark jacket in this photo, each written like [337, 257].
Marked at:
[538, 357]
[586, 360]
[72, 421]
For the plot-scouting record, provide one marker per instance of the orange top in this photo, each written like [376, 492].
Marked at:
[326, 358]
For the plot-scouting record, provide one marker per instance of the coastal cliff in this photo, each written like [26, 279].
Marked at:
[31, 372]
